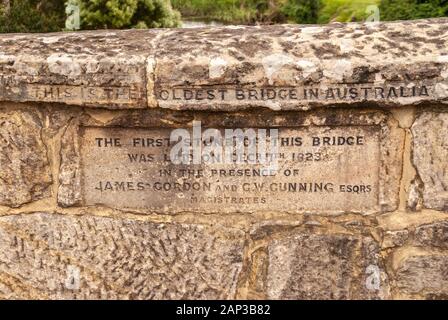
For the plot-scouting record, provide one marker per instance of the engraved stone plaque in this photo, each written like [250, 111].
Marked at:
[320, 169]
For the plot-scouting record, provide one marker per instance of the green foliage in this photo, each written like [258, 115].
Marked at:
[119, 14]
[275, 11]
[308, 11]
[232, 11]
[412, 9]
[302, 11]
[50, 15]
[33, 16]
[344, 10]
[155, 14]
[107, 13]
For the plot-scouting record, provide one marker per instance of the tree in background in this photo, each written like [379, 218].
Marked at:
[412, 9]
[32, 15]
[5, 5]
[156, 14]
[345, 10]
[50, 16]
[118, 14]
[302, 11]
[232, 11]
[103, 14]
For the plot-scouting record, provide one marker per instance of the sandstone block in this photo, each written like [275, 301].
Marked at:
[296, 67]
[430, 157]
[117, 164]
[424, 275]
[282, 67]
[325, 266]
[25, 174]
[83, 257]
[433, 235]
[98, 69]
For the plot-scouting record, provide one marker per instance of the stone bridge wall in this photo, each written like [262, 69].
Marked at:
[358, 210]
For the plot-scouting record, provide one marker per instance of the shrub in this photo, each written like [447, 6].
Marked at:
[118, 14]
[49, 15]
[302, 11]
[412, 9]
[33, 16]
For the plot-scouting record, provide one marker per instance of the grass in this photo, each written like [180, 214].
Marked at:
[345, 10]
[250, 11]
[229, 11]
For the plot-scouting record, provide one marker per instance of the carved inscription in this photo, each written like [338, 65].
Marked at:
[320, 170]
[352, 92]
[15, 89]
[54, 93]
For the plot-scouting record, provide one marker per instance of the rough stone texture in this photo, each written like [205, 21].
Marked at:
[339, 56]
[25, 173]
[325, 266]
[65, 247]
[42, 255]
[426, 275]
[435, 235]
[430, 154]
[98, 69]
[382, 64]
[69, 192]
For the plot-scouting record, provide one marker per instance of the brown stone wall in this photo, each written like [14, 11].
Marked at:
[59, 241]
[47, 237]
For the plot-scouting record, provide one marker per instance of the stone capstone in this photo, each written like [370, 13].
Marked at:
[282, 67]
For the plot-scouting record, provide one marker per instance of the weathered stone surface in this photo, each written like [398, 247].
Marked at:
[106, 239]
[325, 266]
[128, 176]
[69, 191]
[435, 235]
[421, 264]
[430, 154]
[395, 238]
[386, 64]
[232, 68]
[425, 275]
[83, 257]
[25, 173]
[101, 68]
